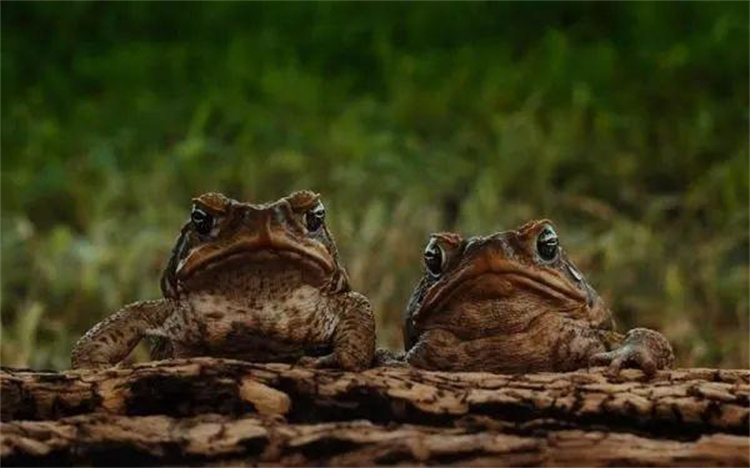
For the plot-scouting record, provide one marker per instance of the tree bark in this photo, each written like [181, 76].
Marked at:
[214, 411]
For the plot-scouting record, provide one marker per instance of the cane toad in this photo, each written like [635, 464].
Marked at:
[513, 302]
[261, 282]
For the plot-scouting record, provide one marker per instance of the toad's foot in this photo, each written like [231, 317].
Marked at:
[327, 361]
[388, 358]
[382, 358]
[643, 349]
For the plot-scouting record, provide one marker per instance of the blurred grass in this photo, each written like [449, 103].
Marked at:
[626, 123]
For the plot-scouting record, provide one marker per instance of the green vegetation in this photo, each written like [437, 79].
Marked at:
[626, 123]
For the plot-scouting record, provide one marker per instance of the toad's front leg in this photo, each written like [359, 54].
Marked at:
[641, 348]
[111, 340]
[354, 336]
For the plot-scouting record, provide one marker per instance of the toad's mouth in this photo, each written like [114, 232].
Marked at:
[250, 256]
[495, 280]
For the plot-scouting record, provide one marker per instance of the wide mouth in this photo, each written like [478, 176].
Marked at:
[496, 280]
[251, 257]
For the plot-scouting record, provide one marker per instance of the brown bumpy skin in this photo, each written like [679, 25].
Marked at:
[112, 339]
[512, 302]
[354, 337]
[260, 282]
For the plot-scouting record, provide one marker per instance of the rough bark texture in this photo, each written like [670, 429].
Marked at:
[212, 411]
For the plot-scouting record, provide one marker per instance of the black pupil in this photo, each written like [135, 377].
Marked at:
[315, 218]
[433, 260]
[202, 221]
[546, 245]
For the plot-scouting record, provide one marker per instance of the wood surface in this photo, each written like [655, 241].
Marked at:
[225, 412]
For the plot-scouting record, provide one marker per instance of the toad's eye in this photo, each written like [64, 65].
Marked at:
[434, 258]
[547, 244]
[202, 221]
[315, 217]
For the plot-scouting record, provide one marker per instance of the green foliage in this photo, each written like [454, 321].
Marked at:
[626, 123]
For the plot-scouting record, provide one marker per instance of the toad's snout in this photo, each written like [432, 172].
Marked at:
[487, 254]
[266, 218]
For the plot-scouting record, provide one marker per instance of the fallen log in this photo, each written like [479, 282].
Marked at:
[148, 440]
[208, 410]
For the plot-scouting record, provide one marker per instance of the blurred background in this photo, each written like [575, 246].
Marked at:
[625, 123]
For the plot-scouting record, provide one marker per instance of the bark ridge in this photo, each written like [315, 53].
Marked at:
[218, 411]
